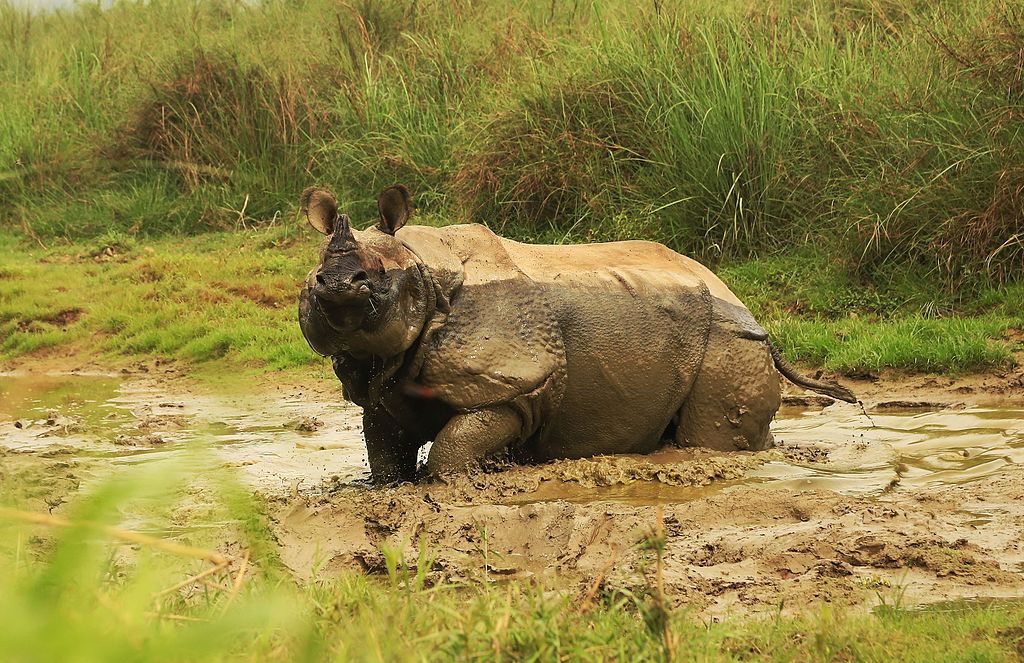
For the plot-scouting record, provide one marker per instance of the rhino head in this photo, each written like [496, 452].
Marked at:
[367, 295]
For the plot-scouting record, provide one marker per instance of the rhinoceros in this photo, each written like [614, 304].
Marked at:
[482, 345]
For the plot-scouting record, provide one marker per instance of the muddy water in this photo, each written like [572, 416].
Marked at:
[875, 452]
[928, 501]
[287, 441]
[272, 438]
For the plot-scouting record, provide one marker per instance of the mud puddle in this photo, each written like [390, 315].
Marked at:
[869, 453]
[106, 421]
[289, 440]
[852, 505]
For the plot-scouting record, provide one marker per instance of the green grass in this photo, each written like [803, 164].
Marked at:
[913, 343]
[78, 594]
[227, 296]
[231, 298]
[822, 317]
[853, 170]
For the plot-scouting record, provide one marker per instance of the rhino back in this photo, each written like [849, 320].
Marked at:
[632, 354]
[650, 263]
[601, 342]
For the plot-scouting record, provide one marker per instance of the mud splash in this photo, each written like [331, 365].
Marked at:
[850, 506]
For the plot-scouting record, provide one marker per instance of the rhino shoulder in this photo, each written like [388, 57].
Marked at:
[501, 342]
[433, 248]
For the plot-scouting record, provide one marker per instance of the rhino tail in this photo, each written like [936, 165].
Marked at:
[828, 388]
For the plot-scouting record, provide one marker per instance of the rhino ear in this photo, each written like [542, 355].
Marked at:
[395, 208]
[321, 209]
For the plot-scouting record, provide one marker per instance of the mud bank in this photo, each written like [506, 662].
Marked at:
[732, 546]
[907, 500]
[916, 497]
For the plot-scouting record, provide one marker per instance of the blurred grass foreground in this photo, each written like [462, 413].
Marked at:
[103, 584]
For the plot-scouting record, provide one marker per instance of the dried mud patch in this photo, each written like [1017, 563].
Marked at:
[999, 387]
[43, 480]
[61, 319]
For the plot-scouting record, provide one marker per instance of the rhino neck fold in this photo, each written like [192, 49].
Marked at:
[439, 289]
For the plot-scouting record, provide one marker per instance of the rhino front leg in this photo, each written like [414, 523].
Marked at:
[472, 436]
[390, 449]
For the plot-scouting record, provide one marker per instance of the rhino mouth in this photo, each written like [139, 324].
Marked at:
[348, 309]
[345, 296]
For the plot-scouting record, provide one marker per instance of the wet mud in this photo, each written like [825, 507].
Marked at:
[918, 496]
[105, 419]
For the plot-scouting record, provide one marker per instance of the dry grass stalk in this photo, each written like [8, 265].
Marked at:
[659, 535]
[119, 533]
[192, 579]
[238, 580]
[174, 617]
[595, 586]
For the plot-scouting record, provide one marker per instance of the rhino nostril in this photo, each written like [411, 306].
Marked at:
[320, 279]
[358, 277]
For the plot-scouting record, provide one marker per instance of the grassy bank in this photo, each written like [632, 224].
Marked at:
[231, 297]
[200, 299]
[74, 589]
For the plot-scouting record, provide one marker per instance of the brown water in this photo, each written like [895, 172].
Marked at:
[105, 418]
[122, 422]
[871, 453]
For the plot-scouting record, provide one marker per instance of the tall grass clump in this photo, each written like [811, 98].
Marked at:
[217, 119]
[991, 234]
[727, 135]
[682, 136]
[172, 117]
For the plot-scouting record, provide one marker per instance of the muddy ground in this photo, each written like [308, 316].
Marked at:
[916, 497]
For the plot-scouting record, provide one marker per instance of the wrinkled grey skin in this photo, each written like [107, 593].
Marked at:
[484, 345]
